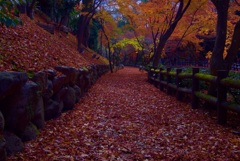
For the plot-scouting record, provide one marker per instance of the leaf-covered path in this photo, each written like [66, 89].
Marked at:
[125, 118]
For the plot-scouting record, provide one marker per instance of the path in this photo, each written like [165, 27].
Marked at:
[125, 118]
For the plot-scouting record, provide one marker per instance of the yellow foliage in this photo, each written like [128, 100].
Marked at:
[225, 52]
[208, 55]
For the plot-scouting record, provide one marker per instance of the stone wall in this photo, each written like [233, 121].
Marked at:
[26, 103]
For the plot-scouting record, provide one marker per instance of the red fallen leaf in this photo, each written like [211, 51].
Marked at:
[29, 38]
[118, 120]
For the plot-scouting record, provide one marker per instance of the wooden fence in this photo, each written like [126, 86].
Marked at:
[172, 83]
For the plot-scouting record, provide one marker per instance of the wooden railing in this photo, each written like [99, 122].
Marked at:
[172, 83]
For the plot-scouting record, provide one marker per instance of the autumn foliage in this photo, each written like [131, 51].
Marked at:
[122, 117]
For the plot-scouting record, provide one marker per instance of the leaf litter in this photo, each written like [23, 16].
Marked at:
[123, 117]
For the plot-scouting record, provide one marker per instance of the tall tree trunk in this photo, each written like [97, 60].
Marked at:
[82, 28]
[109, 47]
[83, 24]
[113, 60]
[30, 8]
[158, 51]
[225, 64]
[52, 11]
[64, 19]
[109, 54]
[101, 45]
[86, 32]
[21, 8]
[138, 58]
[110, 58]
[217, 60]
[234, 48]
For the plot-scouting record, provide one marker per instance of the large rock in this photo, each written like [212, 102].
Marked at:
[2, 123]
[19, 109]
[71, 73]
[13, 143]
[87, 82]
[52, 109]
[40, 78]
[30, 133]
[70, 99]
[59, 96]
[38, 116]
[50, 74]
[80, 81]
[93, 72]
[10, 82]
[93, 78]
[48, 92]
[78, 93]
[87, 79]
[3, 154]
[59, 82]
[83, 81]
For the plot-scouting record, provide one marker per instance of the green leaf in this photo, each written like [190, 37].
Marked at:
[30, 74]
[9, 22]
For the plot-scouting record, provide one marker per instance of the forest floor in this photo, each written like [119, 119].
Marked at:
[123, 117]
[30, 48]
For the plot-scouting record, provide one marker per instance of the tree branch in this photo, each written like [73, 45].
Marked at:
[188, 27]
[235, 45]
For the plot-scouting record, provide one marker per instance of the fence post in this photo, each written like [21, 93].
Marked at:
[156, 77]
[195, 88]
[168, 80]
[178, 83]
[150, 74]
[221, 97]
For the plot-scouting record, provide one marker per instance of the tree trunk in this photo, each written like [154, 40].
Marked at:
[82, 28]
[234, 48]
[101, 45]
[22, 8]
[221, 64]
[30, 9]
[86, 32]
[83, 24]
[109, 48]
[64, 19]
[217, 61]
[109, 57]
[110, 63]
[158, 51]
